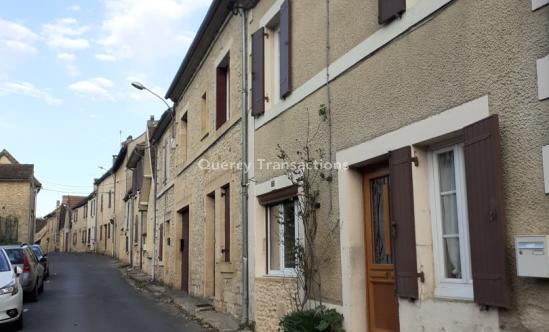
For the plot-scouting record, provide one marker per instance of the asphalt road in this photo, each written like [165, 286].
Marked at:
[87, 293]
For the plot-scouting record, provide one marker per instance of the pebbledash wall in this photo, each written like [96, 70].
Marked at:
[460, 60]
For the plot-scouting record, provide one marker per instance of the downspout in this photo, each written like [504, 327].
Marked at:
[151, 152]
[244, 172]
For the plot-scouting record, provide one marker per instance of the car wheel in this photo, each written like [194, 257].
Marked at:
[18, 325]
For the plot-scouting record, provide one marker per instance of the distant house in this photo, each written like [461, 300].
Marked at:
[18, 189]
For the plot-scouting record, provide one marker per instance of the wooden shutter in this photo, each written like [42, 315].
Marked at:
[258, 73]
[389, 9]
[402, 222]
[483, 174]
[227, 249]
[221, 97]
[285, 50]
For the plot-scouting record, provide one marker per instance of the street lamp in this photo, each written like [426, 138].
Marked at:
[140, 86]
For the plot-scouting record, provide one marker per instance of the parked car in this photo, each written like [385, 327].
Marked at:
[32, 278]
[43, 259]
[11, 293]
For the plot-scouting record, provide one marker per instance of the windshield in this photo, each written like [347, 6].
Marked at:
[4, 264]
[16, 256]
[37, 251]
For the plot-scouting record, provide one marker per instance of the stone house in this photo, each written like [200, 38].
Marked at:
[105, 213]
[79, 226]
[203, 256]
[439, 108]
[139, 165]
[18, 190]
[162, 141]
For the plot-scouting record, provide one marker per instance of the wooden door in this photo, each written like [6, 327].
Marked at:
[185, 250]
[380, 271]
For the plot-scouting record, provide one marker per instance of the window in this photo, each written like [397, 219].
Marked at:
[282, 236]
[165, 161]
[222, 92]
[204, 116]
[101, 206]
[183, 145]
[109, 231]
[135, 229]
[161, 242]
[450, 224]
[101, 233]
[89, 235]
[110, 198]
[273, 65]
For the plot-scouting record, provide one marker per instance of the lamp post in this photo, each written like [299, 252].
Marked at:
[140, 86]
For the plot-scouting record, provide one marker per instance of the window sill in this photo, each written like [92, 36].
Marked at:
[457, 291]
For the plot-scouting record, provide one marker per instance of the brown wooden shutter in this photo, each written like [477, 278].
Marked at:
[389, 9]
[227, 249]
[483, 174]
[402, 222]
[221, 97]
[285, 50]
[258, 73]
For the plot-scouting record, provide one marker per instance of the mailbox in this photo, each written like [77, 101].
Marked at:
[532, 258]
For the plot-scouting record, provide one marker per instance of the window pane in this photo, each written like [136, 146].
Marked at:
[275, 218]
[289, 235]
[446, 171]
[380, 199]
[449, 216]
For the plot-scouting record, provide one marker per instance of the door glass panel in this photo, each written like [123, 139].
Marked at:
[381, 244]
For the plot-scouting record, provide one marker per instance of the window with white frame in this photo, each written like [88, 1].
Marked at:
[450, 225]
[282, 237]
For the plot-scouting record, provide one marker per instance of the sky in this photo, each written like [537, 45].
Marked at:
[65, 73]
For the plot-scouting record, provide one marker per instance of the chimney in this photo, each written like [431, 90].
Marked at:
[57, 204]
[114, 158]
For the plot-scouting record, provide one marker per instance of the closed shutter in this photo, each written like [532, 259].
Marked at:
[258, 73]
[227, 249]
[389, 9]
[402, 222]
[221, 97]
[483, 174]
[285, 49]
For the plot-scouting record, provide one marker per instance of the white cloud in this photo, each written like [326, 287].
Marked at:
[65, 33]
[97, 88]
[147, 30]
[74, 8]
[66, 56]
[27, 89]
[16, 37]
[105, 57]
[72, 69]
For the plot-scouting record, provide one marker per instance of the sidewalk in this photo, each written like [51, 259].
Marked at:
[199, 310]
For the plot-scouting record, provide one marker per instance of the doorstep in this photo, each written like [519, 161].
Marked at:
[194, 308]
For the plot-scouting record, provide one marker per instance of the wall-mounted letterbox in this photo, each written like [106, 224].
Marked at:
[532, 258]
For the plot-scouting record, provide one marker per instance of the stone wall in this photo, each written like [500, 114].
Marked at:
[15, 203]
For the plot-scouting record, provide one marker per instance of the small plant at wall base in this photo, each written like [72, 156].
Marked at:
[314, 248]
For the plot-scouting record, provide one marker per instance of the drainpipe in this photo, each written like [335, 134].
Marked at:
[244, 173]
[151, 152]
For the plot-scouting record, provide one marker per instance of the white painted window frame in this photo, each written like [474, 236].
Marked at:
[449, 288]
[283, 272]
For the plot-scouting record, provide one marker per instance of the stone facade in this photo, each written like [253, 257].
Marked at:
[455, 55]
[18, 190]
[105, 213]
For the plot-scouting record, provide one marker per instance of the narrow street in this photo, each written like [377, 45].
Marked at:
[87, 293]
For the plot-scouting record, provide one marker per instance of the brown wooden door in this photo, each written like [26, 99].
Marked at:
[380, 271]
[185, 251]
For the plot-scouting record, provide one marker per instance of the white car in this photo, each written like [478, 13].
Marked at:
[11, 293]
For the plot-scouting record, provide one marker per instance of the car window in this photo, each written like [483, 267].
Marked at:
[4, 264]
[16, 256]
[31, 255]
[37, 251]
